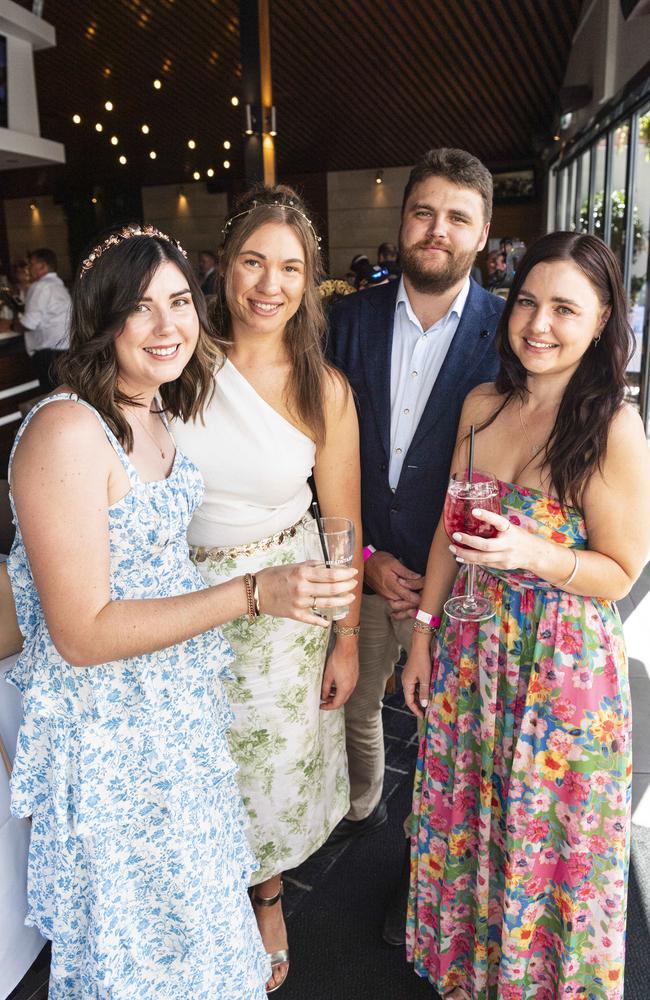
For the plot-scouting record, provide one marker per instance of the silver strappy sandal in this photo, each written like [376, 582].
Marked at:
[281, 956]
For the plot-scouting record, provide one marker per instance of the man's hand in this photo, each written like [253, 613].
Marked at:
[392, 580]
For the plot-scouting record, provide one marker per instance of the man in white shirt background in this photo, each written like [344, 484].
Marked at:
[46, 318]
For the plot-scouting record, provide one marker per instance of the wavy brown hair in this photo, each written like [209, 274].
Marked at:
[305, 331]
[578, 441]
[103, 298]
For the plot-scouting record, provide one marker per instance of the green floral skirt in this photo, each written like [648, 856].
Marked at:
[291, 756]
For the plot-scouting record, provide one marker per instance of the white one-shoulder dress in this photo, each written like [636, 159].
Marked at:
[291, 755]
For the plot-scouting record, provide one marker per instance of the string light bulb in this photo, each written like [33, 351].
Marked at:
[157, 84]
[114, 140]
[76, 119]
[196, 175]
[226, 164]
[191, 144]
[234, 101]
[152, 154]
[209, 172]
[99, 127]
[122, 160]
[144, 129]
[109, 105]
[226, 144]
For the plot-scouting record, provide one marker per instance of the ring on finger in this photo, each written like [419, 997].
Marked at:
[313, 605]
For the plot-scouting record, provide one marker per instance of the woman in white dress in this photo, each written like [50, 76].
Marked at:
[278, 411]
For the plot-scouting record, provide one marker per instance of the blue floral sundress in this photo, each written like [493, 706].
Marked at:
[138, 863]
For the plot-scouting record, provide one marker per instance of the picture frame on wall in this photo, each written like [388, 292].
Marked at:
[514, 186]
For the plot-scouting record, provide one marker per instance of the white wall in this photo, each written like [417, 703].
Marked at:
[187, 212]
[43, 226]
[362, 213]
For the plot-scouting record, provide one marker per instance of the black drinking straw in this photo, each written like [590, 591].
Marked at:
[315, 509]
[471, 454]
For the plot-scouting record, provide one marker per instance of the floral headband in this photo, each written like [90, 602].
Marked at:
[288, 206]
[125, 234]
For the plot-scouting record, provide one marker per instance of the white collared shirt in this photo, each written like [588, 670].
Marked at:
[416, 359]
[46, 318]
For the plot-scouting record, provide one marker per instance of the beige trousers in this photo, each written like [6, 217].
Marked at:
[380, 641]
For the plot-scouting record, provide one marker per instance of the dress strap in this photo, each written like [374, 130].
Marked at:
[121, 454]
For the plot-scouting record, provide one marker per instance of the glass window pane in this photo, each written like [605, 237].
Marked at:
[582, 193]
[569, 216]
[640, 230]
[561, 199]
[600, 152]
[619, 176]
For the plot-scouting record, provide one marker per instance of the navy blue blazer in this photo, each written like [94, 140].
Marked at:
[359, 343]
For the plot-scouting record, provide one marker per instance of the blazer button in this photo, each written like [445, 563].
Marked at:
[395, 509]
[485, 333]
[383, 467]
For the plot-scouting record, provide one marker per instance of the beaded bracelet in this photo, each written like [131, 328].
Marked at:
[346, 629]
[426, 629]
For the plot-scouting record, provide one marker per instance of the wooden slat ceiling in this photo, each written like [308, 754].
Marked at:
[356, 84]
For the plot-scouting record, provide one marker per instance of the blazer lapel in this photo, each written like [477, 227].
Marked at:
[376, 339]
[467, 350]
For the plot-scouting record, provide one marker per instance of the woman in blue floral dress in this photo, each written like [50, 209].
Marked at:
[520, 848]
[138, 865]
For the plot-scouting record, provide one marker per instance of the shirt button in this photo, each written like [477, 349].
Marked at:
[398, 451]
[407, 411]
[414, 374]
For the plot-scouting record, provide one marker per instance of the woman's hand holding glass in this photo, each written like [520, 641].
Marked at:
[294, 591]
[512, 548]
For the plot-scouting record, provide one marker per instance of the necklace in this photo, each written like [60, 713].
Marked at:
[147, 431]
[534, 448]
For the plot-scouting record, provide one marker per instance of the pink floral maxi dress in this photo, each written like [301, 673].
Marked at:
[522, 795]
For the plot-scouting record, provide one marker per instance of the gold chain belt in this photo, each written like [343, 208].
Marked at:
[199, 553]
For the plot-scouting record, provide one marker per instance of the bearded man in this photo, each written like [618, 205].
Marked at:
[412, 351]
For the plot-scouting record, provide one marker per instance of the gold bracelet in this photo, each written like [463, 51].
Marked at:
[426, 629]
[249, 586]
[569, 579]
[346, 629]
[256, 596]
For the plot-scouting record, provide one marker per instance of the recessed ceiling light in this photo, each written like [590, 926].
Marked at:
[145, 130]
[157, 84]
[226, 144]
[226, 164]
[99, 127]
[114, 140]
[109, 105]
[152, 154]
[76, 119]
[122, 160]
[210, 172]
[196, 175]
[234, 101]
[191, 144]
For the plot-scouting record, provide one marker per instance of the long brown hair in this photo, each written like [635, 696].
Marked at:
[577, 443]
[305, 331]
[104, 296]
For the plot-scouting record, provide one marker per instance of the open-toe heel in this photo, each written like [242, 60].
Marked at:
[280, 957]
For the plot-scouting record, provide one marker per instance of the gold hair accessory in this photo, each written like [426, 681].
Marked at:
[125, 234]
[289, 205]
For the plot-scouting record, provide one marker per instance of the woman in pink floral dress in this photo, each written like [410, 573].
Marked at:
[520, 847]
